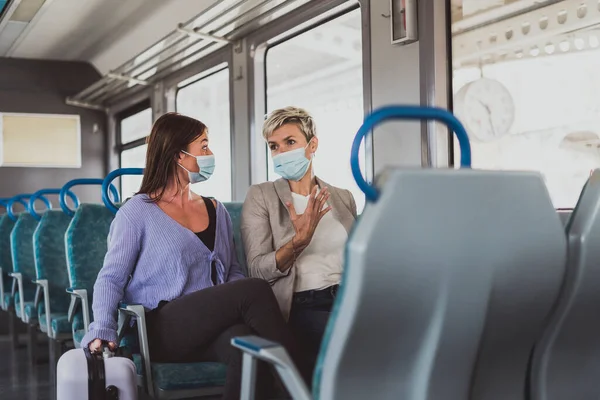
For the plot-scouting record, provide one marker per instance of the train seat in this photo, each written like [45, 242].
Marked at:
[86, 244]
[235, 212]
[6, 266]
[453, 306]
[566, 362]
[21, 242]
[51, 270]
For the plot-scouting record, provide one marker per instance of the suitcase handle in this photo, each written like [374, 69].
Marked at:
[97, 389]
[405, 113]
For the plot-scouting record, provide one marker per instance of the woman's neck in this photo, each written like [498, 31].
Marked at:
[177, 194]
[305, 185]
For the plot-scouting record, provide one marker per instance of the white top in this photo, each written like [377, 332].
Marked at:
[320, 264]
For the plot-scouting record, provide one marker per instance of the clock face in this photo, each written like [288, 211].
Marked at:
[486, 108]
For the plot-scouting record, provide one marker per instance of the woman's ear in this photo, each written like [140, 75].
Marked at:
[314, 144]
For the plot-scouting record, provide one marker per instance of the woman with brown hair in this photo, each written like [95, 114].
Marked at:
[178, 249]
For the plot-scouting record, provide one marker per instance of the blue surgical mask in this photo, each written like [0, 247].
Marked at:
[292, 165]
[206, 164]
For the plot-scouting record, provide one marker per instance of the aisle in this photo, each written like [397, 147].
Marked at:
[18, 379]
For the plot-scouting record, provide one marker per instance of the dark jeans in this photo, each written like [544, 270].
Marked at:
[199, 327]
[308, 319]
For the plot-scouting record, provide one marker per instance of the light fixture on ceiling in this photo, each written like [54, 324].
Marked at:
[26, 10]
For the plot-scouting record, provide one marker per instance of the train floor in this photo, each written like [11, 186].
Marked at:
[21, 380]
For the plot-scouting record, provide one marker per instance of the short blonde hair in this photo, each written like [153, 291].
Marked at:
[290, 115]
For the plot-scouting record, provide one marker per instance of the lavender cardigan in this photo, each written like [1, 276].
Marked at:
[169, 259]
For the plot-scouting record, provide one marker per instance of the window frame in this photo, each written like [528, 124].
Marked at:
[305, 18]
[122, 147]
[129, 112]
[200, 69]
[205, 73]
[299, 30]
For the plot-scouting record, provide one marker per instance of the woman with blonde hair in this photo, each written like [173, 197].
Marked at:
[294, 229]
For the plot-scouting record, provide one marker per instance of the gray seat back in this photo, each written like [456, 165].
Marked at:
[565, 216]
[448, 280]
[566, 364]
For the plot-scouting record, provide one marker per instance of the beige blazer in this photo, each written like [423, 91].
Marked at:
[266, 226]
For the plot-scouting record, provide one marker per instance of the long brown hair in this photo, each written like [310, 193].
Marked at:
[171, 133]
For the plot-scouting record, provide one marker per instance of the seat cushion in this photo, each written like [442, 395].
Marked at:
[78, 337]
[59, 323]
[8, 299]
[29, 310]
[170, 377]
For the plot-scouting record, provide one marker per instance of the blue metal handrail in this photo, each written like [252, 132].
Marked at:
[20, 198]
[40, 194]
[405, 113]
[111, 177]
[76, 182]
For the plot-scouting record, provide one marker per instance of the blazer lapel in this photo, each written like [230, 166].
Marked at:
[338, 208]
[283, 191]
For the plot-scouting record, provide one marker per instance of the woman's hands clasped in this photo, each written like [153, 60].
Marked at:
[95, 346]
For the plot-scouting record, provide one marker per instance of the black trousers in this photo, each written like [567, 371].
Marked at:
[308, 319]
[199, 327]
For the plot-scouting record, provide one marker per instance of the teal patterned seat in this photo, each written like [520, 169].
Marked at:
[51, 264]
[30, 311]
[7, 300]
[21, 244]
[6, 227]
[235, 212]
[77, 330]
[59, 324]
[86, 245]
[174, 377]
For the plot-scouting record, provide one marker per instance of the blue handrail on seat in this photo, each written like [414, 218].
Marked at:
[40, 194]
[405, 113]
[76, 182]
[20, 198]
[111, 177]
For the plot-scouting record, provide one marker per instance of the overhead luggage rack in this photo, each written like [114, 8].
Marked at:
[220, 25]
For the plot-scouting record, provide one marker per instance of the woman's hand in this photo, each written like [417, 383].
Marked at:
[305, 224]
[96, 346]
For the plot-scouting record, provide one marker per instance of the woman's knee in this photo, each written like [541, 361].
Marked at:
[233, 355]
[255, 287]
[257, 284]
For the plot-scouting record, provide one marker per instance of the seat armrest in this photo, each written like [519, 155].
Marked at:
[44, 287]
[18, 287]
[128, 311]
[257, 348]
[79, 295]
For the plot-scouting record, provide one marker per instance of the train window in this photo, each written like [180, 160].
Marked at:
[208, 101]
[134, 127]
[132, 158]
[526, 87]
[321, 70]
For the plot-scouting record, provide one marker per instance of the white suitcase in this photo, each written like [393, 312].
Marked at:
[81, 375]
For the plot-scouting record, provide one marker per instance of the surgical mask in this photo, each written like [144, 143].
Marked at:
[206, 164]
[292, 165]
